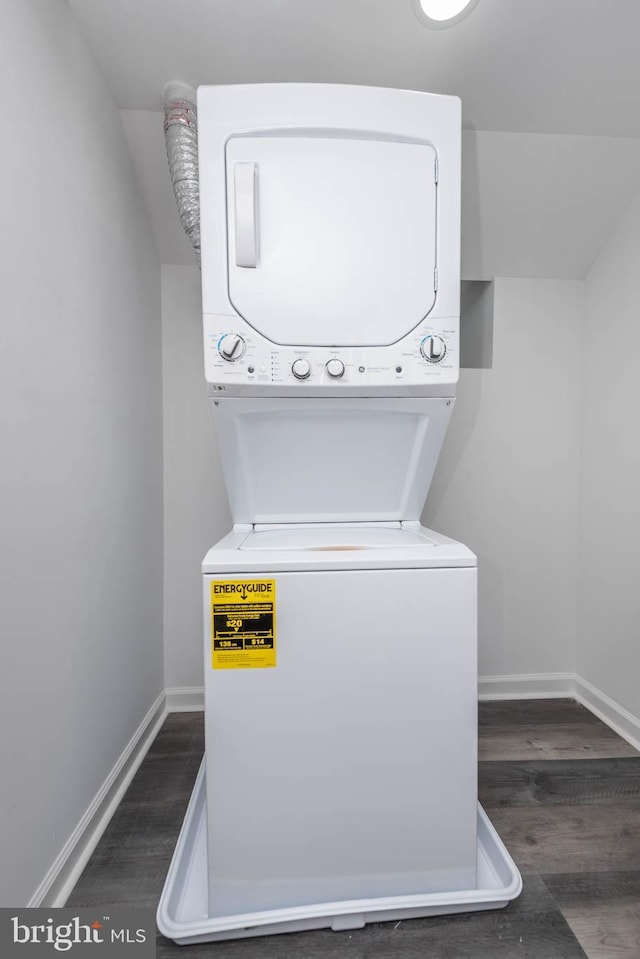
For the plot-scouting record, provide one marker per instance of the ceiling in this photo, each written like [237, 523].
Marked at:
[541, 66]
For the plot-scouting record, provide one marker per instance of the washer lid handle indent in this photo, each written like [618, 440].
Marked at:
[245, 180]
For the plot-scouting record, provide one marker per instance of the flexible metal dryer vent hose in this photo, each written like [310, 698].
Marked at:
[181, 137]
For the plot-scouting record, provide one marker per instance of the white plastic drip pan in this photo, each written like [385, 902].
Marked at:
[183, 911]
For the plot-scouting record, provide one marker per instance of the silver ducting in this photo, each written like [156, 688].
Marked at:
[181, 136]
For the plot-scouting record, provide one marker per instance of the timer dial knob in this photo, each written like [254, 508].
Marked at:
[433, 349]
[301, 369]
[231, 347]
[335, 368]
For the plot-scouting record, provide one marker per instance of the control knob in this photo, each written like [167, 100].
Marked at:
[301, 369]
[335, 368]
[231, 347]
[433, 349]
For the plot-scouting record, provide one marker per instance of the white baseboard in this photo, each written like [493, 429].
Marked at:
[527, 686]
[559, 685]
[185, 699]
[65, 871]
[613, 714]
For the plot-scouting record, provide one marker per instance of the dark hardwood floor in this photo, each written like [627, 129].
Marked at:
[562, 789]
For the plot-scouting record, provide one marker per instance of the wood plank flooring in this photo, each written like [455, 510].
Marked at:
[562, 789]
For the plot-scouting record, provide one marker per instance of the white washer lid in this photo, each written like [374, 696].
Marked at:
[334, 538]
[315, 460]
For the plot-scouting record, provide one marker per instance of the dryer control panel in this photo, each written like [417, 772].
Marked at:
[240, 361]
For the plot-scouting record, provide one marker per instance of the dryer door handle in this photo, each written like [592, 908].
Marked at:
[245, 189]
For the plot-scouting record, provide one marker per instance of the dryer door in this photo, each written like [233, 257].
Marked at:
[331, 241]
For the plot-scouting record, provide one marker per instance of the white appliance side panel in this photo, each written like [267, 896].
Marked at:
[342, 232]
[349, 769]
[329, 460]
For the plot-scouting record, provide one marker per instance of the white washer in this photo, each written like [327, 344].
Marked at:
[340, 636]
[348, 770]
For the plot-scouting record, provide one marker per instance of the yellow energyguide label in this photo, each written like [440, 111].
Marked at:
[243, 623]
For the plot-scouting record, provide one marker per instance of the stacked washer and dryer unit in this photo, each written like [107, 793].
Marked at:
[339, 781]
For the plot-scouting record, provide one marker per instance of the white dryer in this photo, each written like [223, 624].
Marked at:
[339, 783]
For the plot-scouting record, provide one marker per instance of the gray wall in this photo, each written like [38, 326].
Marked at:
[609, 585]
[508, 476]
[195, 500]
[506, 482]
[80, 441]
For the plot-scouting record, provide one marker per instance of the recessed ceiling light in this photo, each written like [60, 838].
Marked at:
[443, 13]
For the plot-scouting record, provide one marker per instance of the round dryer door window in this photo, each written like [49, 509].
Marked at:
[331, 240]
